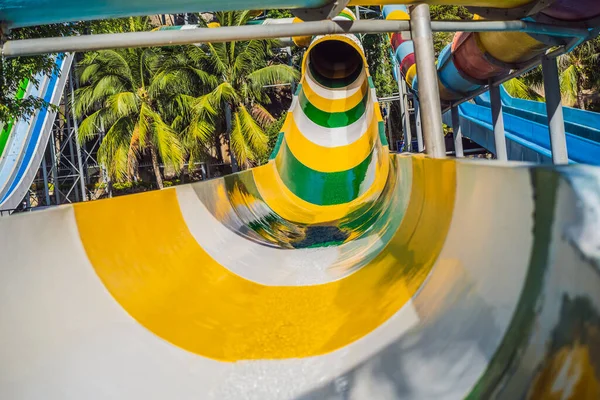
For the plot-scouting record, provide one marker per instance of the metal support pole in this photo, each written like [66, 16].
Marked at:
[556, 123]
[69, 137]
[404, 112]
[498, 121]
[357, 12]
[77, 146]
[54, 167]
[431, 118]
[457, 133]
[404, 99]
[420, 146]
[45, 176]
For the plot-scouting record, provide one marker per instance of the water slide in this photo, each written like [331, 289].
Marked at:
[527, 131]
[335, 271]
[472, 59]
[23, 142]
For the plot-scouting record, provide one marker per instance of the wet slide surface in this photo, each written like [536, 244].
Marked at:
[335, 271]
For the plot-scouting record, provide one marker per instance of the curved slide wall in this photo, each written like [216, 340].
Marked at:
[335, 271]
[27, 139]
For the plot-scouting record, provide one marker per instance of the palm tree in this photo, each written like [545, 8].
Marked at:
[222, 92]
[579, 71]
[118, 96]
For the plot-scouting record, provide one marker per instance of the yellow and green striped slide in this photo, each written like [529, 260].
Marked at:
[335, 271]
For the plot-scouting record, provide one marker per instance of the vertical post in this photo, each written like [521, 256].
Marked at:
[420, 146]
[498, 121]
[357, 12]
[429, 95]
[457, 133]
[556, 123]
[77, 146]
[404, 112]
[234, 165]
[45, 176]
[69, 137]
[54, 166]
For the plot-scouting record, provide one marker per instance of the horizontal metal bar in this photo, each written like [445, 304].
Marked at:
[28, 47]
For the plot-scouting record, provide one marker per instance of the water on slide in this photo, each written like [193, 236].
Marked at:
[336, 271]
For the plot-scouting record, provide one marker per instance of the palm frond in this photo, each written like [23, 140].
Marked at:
[167, 142]
[238, 144]
[256, 138]
[114, 149]
[123, 103]
[222, 94]
[272, 75]
[568, 85]
[517, 88]
[94, 124]
[261, 115]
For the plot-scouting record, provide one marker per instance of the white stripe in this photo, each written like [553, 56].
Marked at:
[253, 261]
[333, 137]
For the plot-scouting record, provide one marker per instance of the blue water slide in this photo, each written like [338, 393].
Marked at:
[526, 139]
[28, 138]
[578, 122]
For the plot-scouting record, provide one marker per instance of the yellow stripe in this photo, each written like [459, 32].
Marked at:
[146, 257]
[478, 3]
[510, 47]
[339, 105]
[411, 74]
[289, 206]
[329, 159]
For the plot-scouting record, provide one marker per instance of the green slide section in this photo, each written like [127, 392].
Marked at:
[8, 127]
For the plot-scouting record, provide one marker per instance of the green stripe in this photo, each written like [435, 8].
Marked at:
[335, 83]
[335, 119]
[346, 15]
[8, 128]
[382, 137]
[320, 188]
[509, 353]
[371, 83]
[277, 146]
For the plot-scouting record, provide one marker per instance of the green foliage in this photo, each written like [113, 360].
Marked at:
[118, 96]
[241, 70]
[272, 131]
[579, 76]
[14, 70]
[377, 50]
[173, 102]
[446, 13]
[518, 88]
[279, 14]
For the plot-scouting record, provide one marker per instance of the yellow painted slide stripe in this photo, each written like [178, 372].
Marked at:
[289, 206]
[339, 105]
[329, 159]
[143, 252]
[479, 3]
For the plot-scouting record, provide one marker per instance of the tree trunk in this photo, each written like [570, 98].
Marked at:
[580, 100]
[155, 167]
[234, 165]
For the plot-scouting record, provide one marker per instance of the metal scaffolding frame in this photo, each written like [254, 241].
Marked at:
[67, 168]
